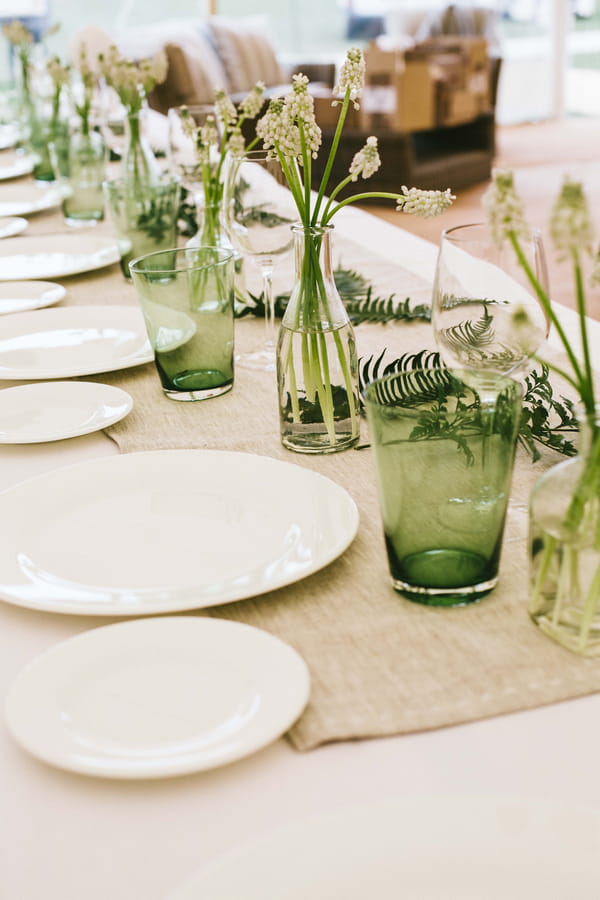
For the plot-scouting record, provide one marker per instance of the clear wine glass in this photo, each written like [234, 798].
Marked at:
[485, 314]
[258, 213]
[486, 317]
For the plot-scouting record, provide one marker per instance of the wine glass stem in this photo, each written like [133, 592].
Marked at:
[267, 275]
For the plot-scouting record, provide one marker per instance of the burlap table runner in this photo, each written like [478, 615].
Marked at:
[379, 664]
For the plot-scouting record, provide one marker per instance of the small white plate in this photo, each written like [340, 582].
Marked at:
[157, 697]
[55, 410]
[24, 199]
[415, 848]
[166, 531]
[68, 341]
[11, 225]
[9, 135]
[55, 255]
[19, 296]
[14, 165]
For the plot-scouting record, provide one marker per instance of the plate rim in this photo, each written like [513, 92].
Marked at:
[98, 639]
[384, 816]
[105, 243]
[51, 190]
[59, 288]
[143, 355]
[21, 227]
[31, 387]
[25, 169]
[195, 600]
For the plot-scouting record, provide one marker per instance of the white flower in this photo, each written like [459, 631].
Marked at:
[504, 208]
[352, 75]
[366, 161]
[132, 79]
[595, 276]
[236, 143]
[57, 72]
[424, 203]
[225, 108]
[17, 33]
[252, 104]
[278, 130]
[570, 222]
[300, 109]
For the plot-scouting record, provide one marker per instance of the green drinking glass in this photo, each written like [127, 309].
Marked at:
[443, 460]
[186, 297]
[144, 216]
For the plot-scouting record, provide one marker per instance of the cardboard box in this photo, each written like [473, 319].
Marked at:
[415, 98]
[457, 105]
[326, 114]
[400, 90]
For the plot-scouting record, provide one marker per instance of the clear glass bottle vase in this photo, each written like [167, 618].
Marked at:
[211, 233]
[317, 368]
[564, 543]
[138, 162]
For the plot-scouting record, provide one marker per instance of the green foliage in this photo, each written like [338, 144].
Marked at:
[186, 217]
[359, 301]
[546, 420]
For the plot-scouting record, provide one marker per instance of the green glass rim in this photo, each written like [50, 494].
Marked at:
[219, 256]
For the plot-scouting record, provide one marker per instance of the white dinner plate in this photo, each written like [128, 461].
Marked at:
[55, 255]
[55, 410]
[157, 697]
[9, 135]
[64, 342]
[23, 199]
[19, 296]
[416, 848]
[14, 165]
[167, 530]
[12, 225]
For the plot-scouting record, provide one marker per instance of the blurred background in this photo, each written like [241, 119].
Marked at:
[551, 47]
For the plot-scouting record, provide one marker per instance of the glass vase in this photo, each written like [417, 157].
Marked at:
[317, 370]
[80, 164]
[138, 162]
[564, 541]
[211, 233]
[44, 128]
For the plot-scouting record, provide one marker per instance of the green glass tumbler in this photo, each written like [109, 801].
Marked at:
[444, 458]
[186, 297]
[144, 216]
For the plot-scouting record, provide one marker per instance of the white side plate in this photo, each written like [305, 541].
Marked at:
[73, 340]
[12, 225]
[55, 255]
[167, 530]
[14, 165]
[9, 135]
[157, 697]
[54, 410]
[415, 848]
[19, 296]
[24, 199]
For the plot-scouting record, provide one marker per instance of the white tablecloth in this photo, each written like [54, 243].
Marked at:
[70, 837]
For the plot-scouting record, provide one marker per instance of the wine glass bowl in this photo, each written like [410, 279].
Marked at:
[258, 212]
[486, 316]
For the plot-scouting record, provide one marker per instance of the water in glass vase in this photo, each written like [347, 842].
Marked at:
[84, 205]
[318, 416]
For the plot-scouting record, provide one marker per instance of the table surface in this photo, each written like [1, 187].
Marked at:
[69, 836]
